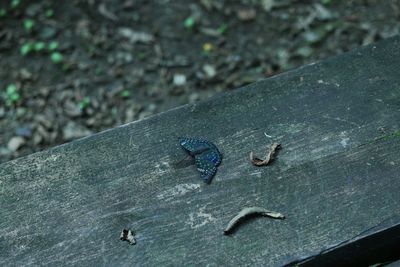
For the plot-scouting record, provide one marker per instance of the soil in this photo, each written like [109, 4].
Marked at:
[72, 68]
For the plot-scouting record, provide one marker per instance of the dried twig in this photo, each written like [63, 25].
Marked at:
[246, 212]
[127, 235]
[107, 13]
[268, 158]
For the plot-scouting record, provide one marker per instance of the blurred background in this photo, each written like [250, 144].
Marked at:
[72, 68]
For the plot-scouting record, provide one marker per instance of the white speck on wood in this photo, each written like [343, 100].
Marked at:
[341, 120]
[163, 167]
[199, 219]
[344, 142]
[267, 135]
[178, 190]
[258, 174]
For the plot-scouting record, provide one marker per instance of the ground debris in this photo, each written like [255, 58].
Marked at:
[268, 158]
[267, 4]
[74, 130]
[141, 47]
[107, 13]
[15, 143]
[136, 37]
[246, 14]
[128, 235]
[247, 213]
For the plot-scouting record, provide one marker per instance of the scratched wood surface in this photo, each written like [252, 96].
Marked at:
[336, 178]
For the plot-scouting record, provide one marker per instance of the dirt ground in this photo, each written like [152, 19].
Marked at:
[72, 68]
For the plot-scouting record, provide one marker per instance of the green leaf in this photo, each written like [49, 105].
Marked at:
[141, 56]
[53, 46]
[3, 12]
[39, 46]
[11, 89]
[223, 28]
[189, 23]
[125, 94]
[15, 3]
[26, 49]
[12, 95]
[326, 2]
[49, 13]
[57, 57]
[98, 71]
[28, 24]
[85, 102]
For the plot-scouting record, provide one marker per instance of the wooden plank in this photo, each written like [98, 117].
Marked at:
[367, 249]
[336, 176]
[393, 264]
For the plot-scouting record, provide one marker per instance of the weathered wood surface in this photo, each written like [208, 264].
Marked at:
[336, 178]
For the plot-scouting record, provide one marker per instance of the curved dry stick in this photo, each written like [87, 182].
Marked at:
[250, 211]
[268, 158]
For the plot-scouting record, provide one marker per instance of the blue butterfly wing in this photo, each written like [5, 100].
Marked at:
[207, 157]
[195, 146]
[211, 155]
[206, 168]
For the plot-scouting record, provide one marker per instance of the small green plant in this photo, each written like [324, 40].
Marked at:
[53, 45]
[3, 12]
[28, 24]
[12, 95]
[395, 134]
[67, 66]
[49, 13]
[26, 48]
[39, 46]
[141, 56]
[15, 3]
[99, 71]
[125, 94]
[189, 23]
[326, 2]
[114, 111]
[223, 28]
[84, 103]
[207, 48]
[56, 57]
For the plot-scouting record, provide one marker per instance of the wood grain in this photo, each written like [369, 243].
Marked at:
[336, 176]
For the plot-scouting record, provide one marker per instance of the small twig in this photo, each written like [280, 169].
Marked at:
[267, 135]
[106, 13]
[268, 158]
[246, 212]
[128, 235]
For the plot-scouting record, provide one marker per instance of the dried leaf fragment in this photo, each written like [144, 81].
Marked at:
[246, 14]
[246, 213]
[107, 13]
[268, 158]
[127, 235]
[135, 37]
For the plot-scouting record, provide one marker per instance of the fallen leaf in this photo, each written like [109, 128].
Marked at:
[267, 4]
[136, 37]
[246, 14]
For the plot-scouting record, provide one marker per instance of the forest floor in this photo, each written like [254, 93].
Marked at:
[72, 68]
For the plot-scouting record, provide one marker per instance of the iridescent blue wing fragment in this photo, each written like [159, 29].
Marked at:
[211, 155]
[206, 154]
[206, 168]
[195, 146]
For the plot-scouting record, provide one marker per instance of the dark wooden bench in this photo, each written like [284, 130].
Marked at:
[336, 178]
